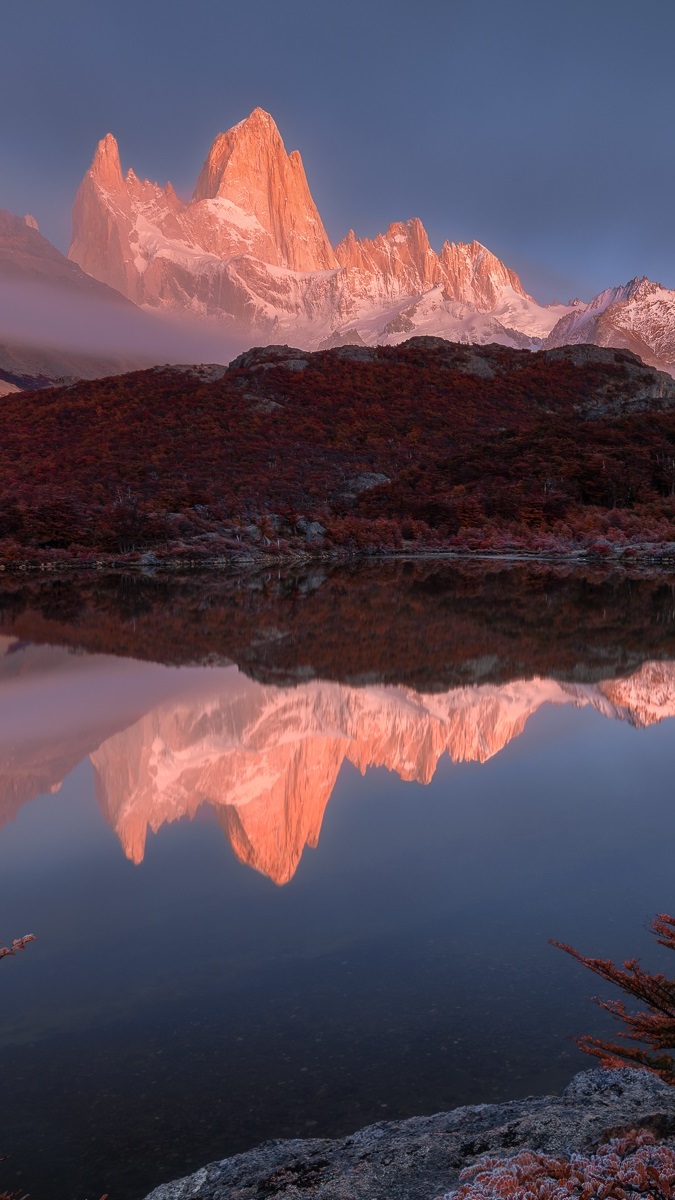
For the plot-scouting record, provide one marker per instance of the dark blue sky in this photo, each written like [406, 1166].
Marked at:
[544, 130]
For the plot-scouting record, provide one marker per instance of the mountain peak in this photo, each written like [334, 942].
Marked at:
[248, 166]
[640, 287]
[106, 167]
[260, 117]
[638, 316]
[256, 133]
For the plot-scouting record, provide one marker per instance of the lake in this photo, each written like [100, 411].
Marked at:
[293, 845]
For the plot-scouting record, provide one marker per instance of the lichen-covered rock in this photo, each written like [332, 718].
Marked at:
[421, 1158]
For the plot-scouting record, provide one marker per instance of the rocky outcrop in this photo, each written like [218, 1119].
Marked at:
[640, 386]
[421, 1158]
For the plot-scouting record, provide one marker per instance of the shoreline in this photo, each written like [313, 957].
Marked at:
[421, 1158]
[150, 563]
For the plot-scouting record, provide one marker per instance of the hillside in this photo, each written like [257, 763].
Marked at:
[427, 445]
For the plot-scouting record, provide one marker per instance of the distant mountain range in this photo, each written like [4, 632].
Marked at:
[248, 253]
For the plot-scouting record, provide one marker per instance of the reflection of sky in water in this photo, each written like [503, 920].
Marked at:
[186, 1008]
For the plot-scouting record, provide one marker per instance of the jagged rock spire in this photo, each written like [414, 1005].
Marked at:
[249, 167]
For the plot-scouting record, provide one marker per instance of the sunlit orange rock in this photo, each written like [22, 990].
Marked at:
[249, 249]
[252, 199]
[248, 174]
[401, 263]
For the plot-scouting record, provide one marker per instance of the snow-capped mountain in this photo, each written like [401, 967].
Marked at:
[247, 260]
[249, 248]
[639, 316]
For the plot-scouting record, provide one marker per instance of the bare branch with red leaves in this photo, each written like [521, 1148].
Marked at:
[17, 944]
[653, 1027]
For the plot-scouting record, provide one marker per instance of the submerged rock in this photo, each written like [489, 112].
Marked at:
[421, 1158]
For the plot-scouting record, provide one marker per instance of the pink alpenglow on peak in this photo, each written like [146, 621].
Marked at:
[248, 167]
[250, 250]
[252, 203]
[106, 167]
[403, 260]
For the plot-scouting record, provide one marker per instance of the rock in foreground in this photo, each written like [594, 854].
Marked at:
[421, 1158]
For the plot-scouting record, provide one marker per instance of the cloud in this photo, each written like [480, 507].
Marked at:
[45, 322]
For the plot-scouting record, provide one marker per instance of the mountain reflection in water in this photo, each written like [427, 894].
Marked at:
[186, 1009]
[165, 741]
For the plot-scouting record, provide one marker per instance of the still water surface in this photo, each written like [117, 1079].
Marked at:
[290, 908]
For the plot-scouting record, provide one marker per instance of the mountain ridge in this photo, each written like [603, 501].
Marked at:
[249, 247]
[247, 256]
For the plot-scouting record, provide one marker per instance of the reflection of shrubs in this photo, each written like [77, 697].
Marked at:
[632, 1166]
[654, 1028]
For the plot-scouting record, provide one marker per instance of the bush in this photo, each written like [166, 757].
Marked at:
[633, 1166]
[655, 1027]
[17, 944]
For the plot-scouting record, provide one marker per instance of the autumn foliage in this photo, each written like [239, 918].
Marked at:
[17, 944]
[633, 1167]
[653, 1027]
[407, 446]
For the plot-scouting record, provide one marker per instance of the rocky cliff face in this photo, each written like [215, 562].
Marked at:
[250, 249]
[252, 186]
